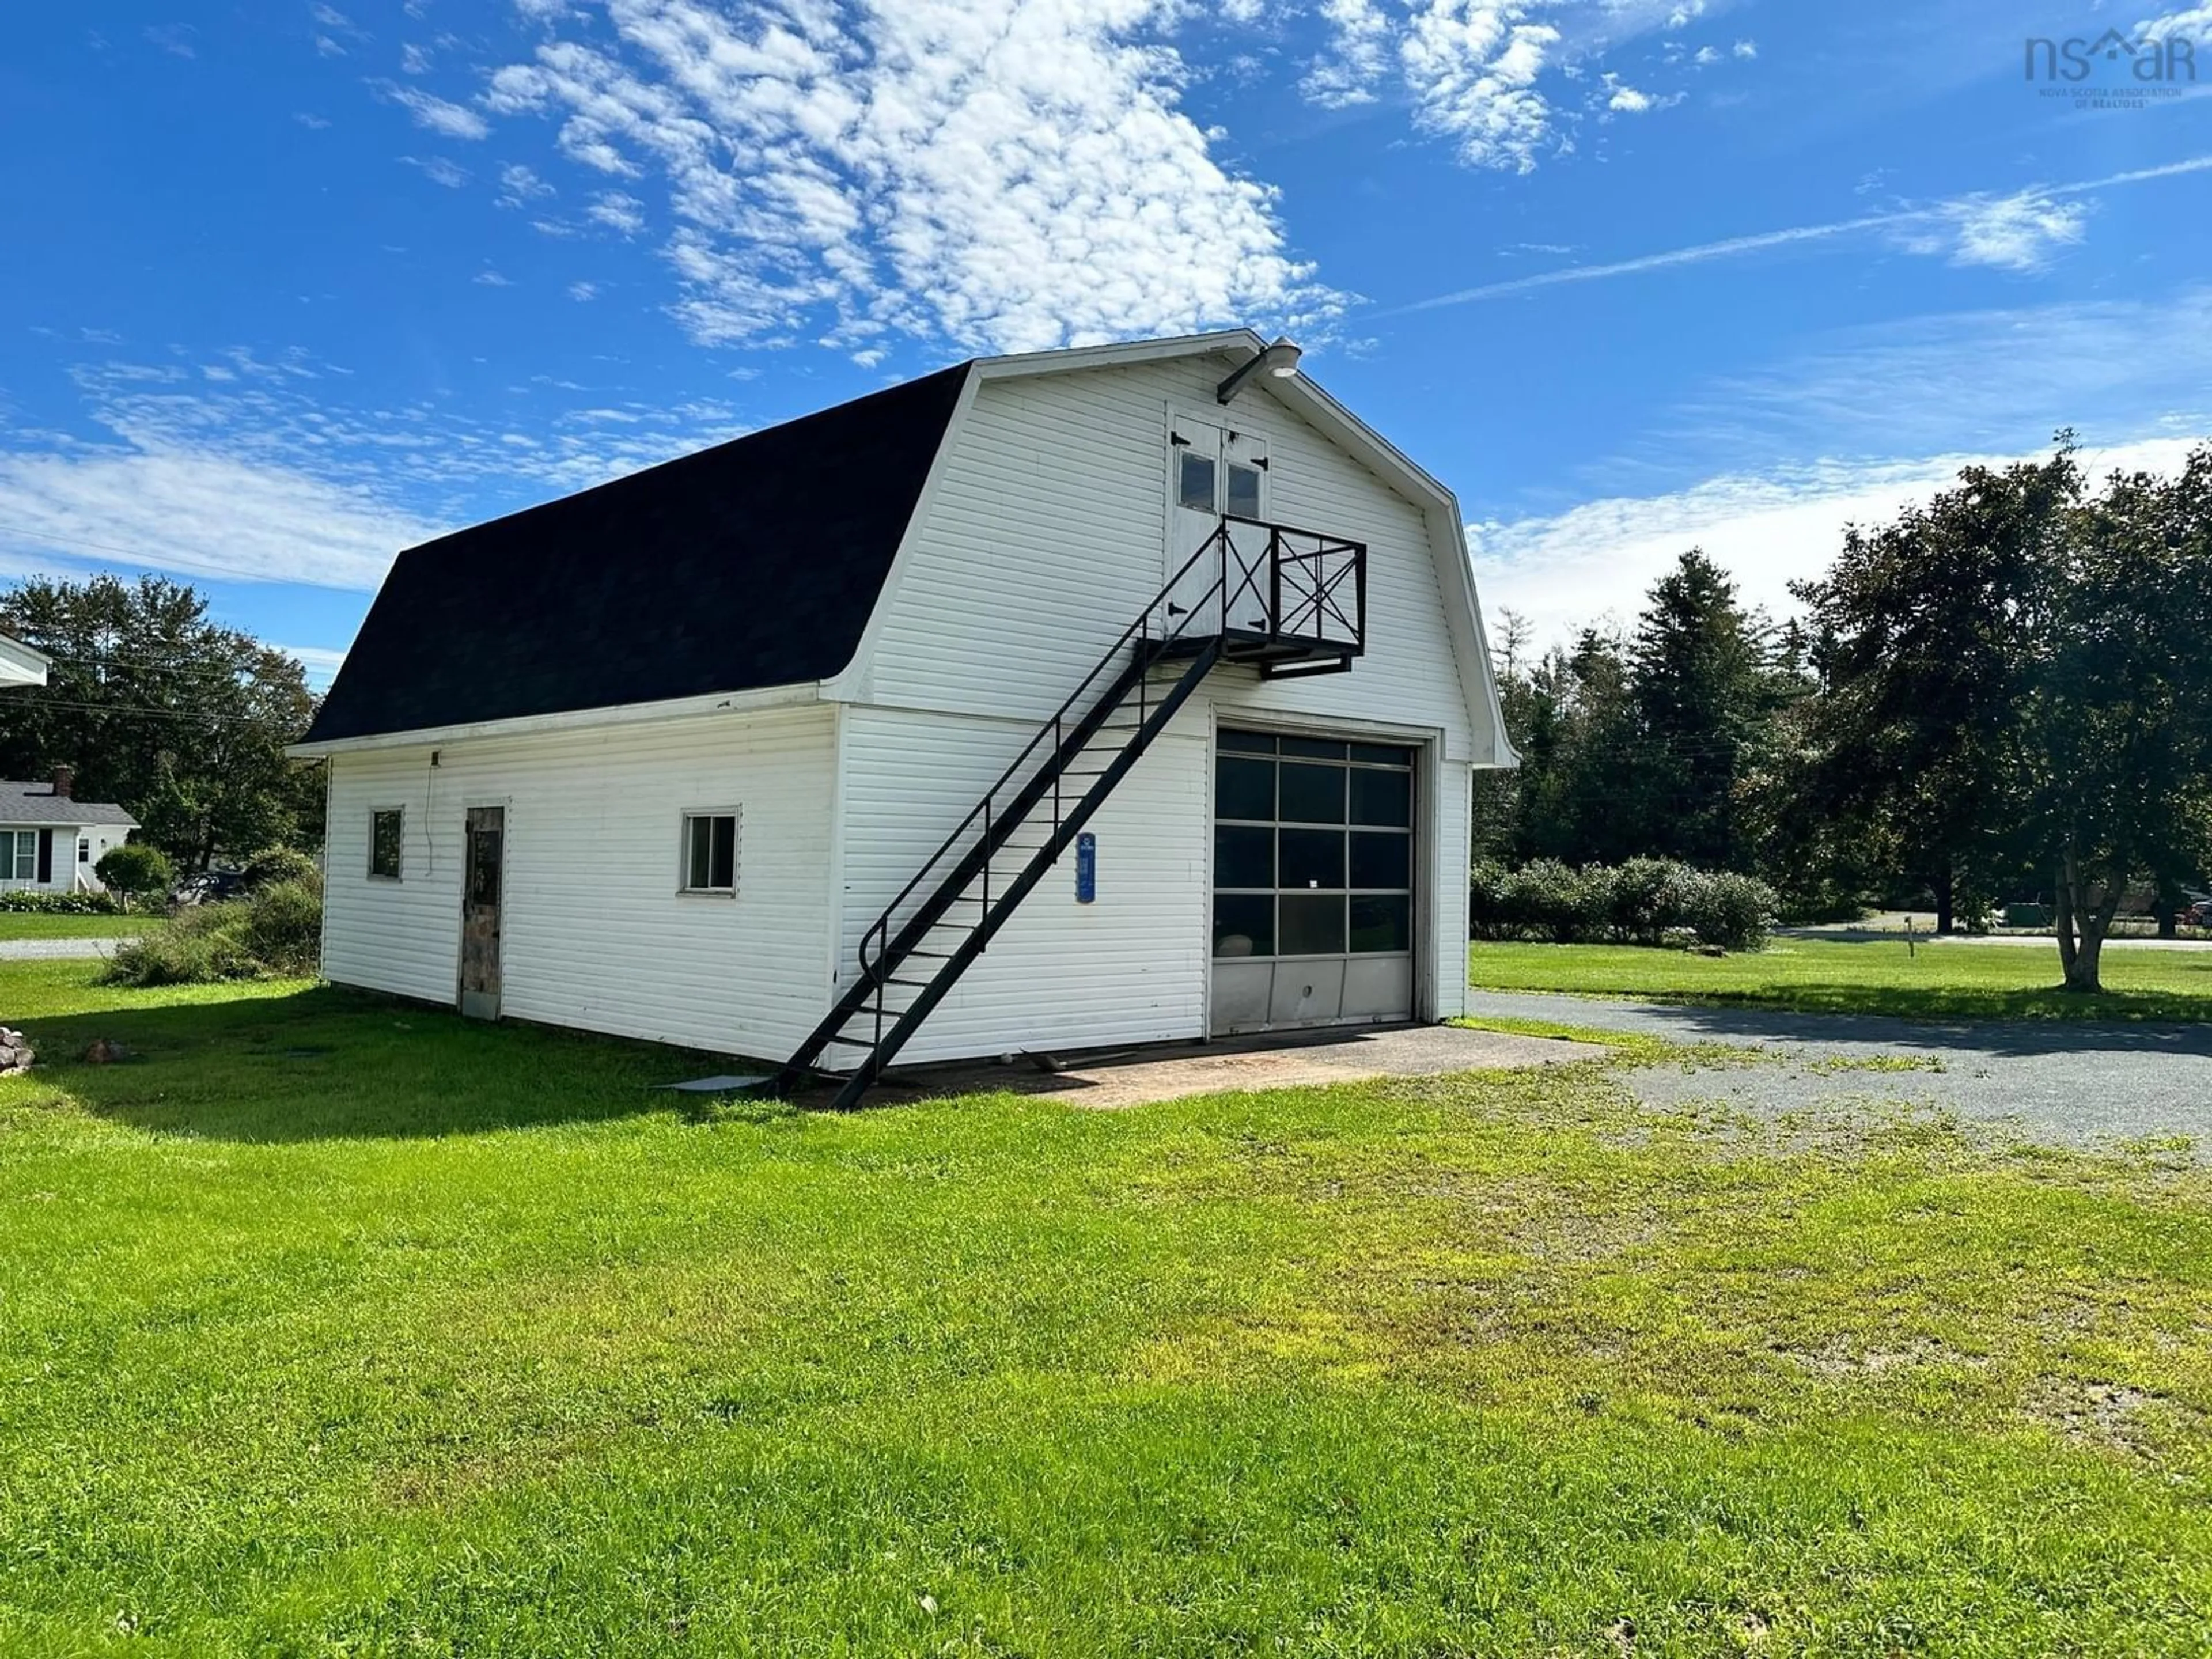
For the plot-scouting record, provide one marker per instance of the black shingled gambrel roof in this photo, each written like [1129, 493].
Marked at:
[757, 562]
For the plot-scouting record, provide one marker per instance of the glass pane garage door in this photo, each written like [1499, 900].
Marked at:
[1313, 881]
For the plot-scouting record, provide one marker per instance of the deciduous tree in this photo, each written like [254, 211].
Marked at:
[181, 721]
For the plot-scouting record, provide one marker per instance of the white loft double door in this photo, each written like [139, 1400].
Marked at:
[1216, 476]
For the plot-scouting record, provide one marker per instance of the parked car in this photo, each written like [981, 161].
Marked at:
[208, 887]
[2198, 914]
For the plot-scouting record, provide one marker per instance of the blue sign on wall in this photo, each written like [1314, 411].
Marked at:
[1086, 868]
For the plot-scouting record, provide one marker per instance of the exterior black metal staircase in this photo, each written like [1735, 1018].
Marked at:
[1288, 602]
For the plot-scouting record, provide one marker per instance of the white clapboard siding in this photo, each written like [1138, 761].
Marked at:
[1045, 535]
[1129, 968]
[1454, 794]
[1044, 538]
[594, 932]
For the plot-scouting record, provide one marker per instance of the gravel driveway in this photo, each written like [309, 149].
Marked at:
[2061, 1081]
[45, 949]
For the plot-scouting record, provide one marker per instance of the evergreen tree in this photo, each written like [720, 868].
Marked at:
[1698, 687]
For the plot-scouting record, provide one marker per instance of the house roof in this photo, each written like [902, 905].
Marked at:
[36, 803]
[754, 563]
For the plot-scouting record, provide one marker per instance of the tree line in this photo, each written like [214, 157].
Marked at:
[2005, 693]
[155, 707]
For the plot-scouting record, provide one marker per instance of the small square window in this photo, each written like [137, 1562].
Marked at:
[1243, 491]
[387, 835]
[710, 852]
[1194, 482]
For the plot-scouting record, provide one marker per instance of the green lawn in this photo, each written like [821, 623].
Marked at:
[25, 924]
[1948, 981]
[333, 1326]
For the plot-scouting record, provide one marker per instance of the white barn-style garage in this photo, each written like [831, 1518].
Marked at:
[1095, 696]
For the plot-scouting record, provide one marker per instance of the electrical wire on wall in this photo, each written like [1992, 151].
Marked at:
[430, 815]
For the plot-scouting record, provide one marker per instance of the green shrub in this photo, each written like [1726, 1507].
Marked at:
[1729, 910]
[284, 927]
[198, 944]
[276, 930]
[272, 865]
[1557, 902]
[1489, 884]
[1652, 902]
[1646, 898]
[133, 869]
[23, 900]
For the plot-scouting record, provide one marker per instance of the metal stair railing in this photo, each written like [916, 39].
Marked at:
[1192, 636]
[965, 853]
[903, 1023]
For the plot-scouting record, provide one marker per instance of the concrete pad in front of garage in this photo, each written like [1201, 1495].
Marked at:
[1169, 1071]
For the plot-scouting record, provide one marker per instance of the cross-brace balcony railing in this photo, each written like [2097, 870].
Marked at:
[1290, 593]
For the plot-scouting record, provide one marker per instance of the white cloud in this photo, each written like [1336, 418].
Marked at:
[1763, 470]
[490, 278]
[2195, 23]
[260, 476]
[438, 170]
[2020, 232]
[433, 114]
[1005, 174]
[2016, 232]
[1992, 380]
[1627, 100]
[1471, 66]
[321, 663]
[157, 505]
[1482, 73]
[1766, 529]
[582, 291]
[1358, 57]
[617, 211]
[518, 184]
[1746, 49]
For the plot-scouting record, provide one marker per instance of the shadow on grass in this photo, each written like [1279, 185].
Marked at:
[330, 1063]
[2022, 1022]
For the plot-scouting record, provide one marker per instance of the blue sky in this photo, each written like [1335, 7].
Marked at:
[288, 287]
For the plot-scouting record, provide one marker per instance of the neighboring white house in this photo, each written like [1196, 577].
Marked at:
[707, 755]
[20, 664]
[49, 840]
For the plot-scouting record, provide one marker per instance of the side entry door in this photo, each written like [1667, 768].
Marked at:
[481, 884]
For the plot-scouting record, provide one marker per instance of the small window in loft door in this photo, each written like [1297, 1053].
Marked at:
[1244, 474]
[1194, 482]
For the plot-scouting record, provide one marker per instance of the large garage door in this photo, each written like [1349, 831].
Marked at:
[1313, 881]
